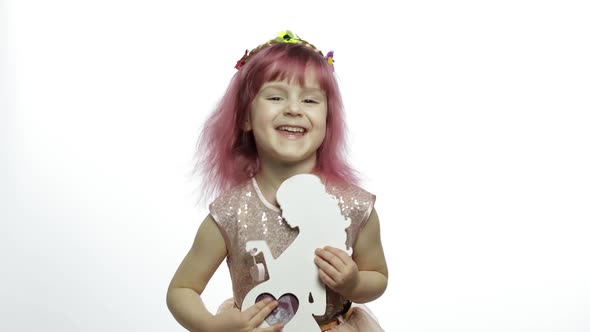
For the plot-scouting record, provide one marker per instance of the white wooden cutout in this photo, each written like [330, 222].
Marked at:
[304, 204]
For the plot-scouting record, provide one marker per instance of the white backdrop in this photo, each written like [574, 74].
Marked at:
[468, 119]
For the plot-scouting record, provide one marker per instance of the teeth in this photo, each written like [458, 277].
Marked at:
[292, 129]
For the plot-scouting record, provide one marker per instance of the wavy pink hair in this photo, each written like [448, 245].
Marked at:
[227, 154]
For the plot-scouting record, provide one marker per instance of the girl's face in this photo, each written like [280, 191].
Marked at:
[288, 121]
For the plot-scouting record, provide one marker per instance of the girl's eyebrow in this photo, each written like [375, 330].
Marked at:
[283, 86]
[313, 90]
[273, 86]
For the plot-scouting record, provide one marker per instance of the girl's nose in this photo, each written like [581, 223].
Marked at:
[293, 108]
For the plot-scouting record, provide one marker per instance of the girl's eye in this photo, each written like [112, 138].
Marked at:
[306, 101]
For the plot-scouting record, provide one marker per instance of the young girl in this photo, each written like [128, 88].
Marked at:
[282, 115]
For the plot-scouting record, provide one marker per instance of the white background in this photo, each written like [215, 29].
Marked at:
[468, 119]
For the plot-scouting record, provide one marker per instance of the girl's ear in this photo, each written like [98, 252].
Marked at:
[247, 124]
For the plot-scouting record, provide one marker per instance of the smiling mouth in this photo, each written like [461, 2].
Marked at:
[291, 133]
[292, 130]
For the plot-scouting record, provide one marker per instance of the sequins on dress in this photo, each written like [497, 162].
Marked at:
[243, 214]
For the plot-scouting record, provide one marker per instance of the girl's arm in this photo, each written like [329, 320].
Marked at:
[193, 274]
[363, 277]
[370, 260]
[189, 281]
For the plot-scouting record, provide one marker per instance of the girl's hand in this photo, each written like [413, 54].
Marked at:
[337, 270]
[246, 321]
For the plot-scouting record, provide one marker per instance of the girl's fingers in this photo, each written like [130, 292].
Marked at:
[326, 267]
[263, 312]
[331, 258]
[327, 279]
[257, 307]
[275, 328]
[343, 255]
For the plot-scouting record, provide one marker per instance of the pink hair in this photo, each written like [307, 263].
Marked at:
[227, 154]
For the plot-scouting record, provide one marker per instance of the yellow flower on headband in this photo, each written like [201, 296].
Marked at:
[287, 37]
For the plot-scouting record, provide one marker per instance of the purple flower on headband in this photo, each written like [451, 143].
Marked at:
[330, 59]
[242, 61]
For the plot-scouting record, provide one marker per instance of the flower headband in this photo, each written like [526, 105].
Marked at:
[285, 37]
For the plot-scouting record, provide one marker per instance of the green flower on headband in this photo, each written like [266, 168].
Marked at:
[287, 37]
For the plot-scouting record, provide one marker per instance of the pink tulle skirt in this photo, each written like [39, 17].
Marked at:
[361, 319]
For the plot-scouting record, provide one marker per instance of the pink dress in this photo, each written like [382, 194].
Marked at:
[243, 214]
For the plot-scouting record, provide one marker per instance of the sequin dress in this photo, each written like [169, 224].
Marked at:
[243, 214]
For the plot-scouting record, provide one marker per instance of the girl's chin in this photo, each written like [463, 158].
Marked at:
[293, 158]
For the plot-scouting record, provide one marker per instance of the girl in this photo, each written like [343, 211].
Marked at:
[282, 115]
